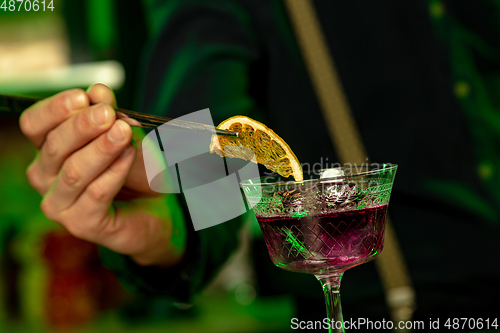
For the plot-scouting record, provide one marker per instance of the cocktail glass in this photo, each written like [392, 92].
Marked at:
[324, 225]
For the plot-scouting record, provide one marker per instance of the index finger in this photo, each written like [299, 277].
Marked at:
[42, 117]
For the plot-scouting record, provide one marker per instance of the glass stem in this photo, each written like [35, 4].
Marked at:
[331, 288]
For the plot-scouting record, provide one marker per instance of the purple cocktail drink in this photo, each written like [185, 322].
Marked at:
[328, 243]
[324, 225]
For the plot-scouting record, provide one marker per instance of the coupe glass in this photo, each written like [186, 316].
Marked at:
[324, 225]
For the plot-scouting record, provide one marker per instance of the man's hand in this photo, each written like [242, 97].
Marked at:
[85, 159]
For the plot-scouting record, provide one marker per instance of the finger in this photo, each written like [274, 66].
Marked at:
[95, 201]
[36, 121]
[36, 178]
[72, 135]
[82, 167]
[138, 179]
[101, 93]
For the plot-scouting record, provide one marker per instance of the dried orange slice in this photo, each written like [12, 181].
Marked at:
[256, 143]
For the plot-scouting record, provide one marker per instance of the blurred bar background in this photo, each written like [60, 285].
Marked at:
[50, 280]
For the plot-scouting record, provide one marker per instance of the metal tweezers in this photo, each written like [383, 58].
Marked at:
[18, 104]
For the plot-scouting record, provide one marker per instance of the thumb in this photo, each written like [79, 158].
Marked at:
[101, 93]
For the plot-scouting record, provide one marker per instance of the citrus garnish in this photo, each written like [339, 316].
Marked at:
[265, 146]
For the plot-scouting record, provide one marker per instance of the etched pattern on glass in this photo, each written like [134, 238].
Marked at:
[319, 242]
[325, 242]
[322, 225]
[318, 199]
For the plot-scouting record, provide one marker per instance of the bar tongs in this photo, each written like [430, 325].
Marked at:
[18, 104]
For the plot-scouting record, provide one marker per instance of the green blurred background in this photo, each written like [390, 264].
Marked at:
[48, 279]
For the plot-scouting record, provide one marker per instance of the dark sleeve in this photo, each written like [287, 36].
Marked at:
[207, 250]
[204, 56]
[200, 58]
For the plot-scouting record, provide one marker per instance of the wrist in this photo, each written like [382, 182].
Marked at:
[159, 237]
[167, 247]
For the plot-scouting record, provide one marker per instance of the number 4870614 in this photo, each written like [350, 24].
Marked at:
[27, 5]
